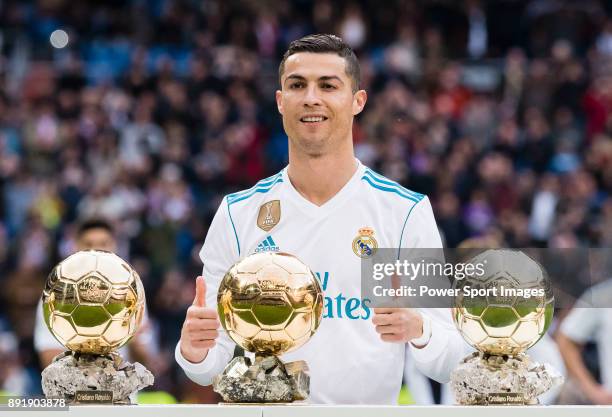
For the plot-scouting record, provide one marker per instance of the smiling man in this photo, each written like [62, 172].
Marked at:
[330, 211]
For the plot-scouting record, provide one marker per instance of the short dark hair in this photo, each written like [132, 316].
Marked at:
[90, 224]
[321, 44]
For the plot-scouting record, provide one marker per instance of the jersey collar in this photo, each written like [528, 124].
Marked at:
[337, 200]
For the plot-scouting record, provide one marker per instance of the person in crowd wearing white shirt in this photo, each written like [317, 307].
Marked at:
[323, 203]
[589, 321]
[96, 234]
[545, 351]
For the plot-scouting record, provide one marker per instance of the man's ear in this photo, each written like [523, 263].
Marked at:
[359, 101]
[279, 102]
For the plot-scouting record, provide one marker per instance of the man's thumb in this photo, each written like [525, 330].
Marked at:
[200, 295]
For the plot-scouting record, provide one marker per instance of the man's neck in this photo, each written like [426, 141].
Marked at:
[321, 178]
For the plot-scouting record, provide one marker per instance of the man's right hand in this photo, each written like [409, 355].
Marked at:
[200, 327]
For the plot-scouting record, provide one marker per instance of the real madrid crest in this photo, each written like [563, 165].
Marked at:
[365, 245]
[269, 215]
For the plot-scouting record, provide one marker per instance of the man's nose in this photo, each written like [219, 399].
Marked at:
[311, 97]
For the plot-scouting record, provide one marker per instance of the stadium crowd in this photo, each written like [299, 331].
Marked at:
[500, 111]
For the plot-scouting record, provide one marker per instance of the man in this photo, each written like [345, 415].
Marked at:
[316, 208]
[94, 234]
[588, 321]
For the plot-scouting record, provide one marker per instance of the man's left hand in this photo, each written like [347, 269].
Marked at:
[399, 325]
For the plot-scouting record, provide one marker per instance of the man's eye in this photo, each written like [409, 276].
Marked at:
[328, 86]
[296, 85]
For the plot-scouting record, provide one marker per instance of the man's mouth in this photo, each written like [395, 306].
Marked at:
[313, 119]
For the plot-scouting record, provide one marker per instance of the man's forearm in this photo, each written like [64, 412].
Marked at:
[571, 353]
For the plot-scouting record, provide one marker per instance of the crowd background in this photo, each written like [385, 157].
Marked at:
[500, 111]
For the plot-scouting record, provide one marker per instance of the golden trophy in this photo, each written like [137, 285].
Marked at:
[502, 314]
[93, 303]
[269, 304]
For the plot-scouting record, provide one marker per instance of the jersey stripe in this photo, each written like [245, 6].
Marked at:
[385, 181]
[233, 226]
[399, 246]
[390, 189]
[263, 183]
[254, 191]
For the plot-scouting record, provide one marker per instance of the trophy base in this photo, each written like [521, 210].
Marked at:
[94, 379]
[483, 379]
[267, 380]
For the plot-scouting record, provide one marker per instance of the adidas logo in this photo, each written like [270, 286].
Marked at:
[267, 245]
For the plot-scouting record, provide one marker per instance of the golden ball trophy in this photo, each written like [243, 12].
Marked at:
[269, 304]
[501, 322]
[93, 303]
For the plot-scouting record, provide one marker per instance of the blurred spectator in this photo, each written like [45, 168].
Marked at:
[588, 321]
[98, 234]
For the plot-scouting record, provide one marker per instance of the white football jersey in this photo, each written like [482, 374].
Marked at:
[349, 363]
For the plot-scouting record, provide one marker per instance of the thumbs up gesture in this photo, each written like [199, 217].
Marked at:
[200, 327]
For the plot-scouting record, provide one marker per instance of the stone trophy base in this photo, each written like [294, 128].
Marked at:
[482, 379]
[267, 380]
[94, 379]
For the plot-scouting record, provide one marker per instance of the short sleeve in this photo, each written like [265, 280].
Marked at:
[420, 229]
[582, 323]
